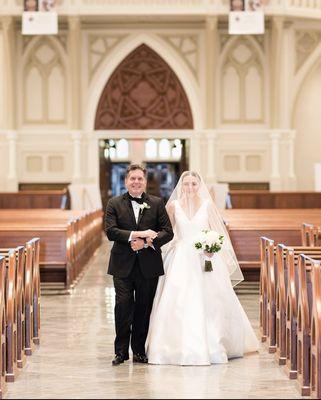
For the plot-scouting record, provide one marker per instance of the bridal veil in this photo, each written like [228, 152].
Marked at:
[191, 192]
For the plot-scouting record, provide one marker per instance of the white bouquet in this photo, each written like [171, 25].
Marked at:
[209, 242]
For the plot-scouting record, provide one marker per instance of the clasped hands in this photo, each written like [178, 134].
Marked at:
[138, 242]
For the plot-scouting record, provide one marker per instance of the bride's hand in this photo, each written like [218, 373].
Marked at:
[207, 254]
[149, 233]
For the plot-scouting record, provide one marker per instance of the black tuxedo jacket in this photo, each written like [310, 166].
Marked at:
[120, 222]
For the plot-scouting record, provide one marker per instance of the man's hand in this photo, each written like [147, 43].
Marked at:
[137, 244]
[149, 241]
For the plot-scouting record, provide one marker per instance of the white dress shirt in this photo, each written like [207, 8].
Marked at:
[136, 209]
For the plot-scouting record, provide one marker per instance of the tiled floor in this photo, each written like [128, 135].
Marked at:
[74, 358]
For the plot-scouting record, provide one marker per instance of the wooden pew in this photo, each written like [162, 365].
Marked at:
[263, 199]
[35, 199]
[292, 305]
[68, 238]
[316, 332]
[10, 315]
[18, 313]
[83, 238]
[56, 262]
[20, 294]
[27, 304]
[20, 302]
[29, 314]
[278, 306]
[282, 262]
[247, 226]
[35, 246]
[2, 327]
[311, 235]
[304, 323]
[271, 295]
[266, 255]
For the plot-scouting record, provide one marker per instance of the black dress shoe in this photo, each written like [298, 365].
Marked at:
[140, 358]
[119, 359]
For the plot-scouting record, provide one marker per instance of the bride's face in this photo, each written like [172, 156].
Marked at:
[190, 186]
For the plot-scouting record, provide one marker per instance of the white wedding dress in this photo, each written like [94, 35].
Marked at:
[197, 318]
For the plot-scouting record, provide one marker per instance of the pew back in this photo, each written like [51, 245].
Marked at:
[35, 199]
[262, 199]
[247, 226]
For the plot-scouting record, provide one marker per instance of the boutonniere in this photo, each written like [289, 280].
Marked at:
[143, 206]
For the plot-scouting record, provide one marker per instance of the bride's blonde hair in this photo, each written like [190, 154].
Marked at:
[190, 173]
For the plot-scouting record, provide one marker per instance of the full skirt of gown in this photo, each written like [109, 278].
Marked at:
[197, 318]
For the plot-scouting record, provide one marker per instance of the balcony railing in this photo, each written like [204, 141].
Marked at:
[294, 8]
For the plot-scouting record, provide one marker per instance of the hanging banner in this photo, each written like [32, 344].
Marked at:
[39, 18]
[246, 17]
[47, 5]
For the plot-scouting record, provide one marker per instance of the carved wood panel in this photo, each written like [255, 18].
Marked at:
[143, 93]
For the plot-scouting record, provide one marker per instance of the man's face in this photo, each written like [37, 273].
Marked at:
[136, 182]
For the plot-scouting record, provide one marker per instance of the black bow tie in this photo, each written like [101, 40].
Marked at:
[138, 200]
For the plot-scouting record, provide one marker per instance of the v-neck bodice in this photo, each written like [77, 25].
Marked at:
[186, 228]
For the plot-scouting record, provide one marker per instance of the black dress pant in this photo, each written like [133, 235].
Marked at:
[134, 301]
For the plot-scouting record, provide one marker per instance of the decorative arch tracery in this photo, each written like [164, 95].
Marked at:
[143, 93]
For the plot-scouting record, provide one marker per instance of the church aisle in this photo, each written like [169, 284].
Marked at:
[74, 359]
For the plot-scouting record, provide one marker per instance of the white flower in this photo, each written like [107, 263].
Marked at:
[212, 237]
[143, 206]
[207, 239]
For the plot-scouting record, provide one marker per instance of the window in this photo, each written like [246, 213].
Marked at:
[177, 149]
[164, 149]
[122, 148]
[151, 148]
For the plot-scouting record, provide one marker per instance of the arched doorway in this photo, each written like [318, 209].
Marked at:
[142, 94]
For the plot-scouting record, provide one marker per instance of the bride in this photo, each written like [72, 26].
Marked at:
[197, 318]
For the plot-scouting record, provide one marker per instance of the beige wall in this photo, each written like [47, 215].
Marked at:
[253, 82]
[307, 122]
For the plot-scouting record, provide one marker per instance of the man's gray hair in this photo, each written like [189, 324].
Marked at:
[134, 167]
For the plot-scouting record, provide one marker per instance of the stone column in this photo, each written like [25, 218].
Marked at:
[77, 175]
[211, 162]
[291, 178]
[8, 102]
[74, 54]
[194, 153]
[282, 72]
[276, 53]
[92, 170]
[211, 54]
[275, 177]
[286, 75]
[9, 72]
[12, 178]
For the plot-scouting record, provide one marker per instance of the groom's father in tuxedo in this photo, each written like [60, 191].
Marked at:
[138, 225]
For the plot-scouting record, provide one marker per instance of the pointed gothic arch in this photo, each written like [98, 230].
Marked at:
[143, 93]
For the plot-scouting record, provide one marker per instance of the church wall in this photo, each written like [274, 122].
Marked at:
[308, 132]
[1, 78]
[44, 144]
[255, 86]
[2, 164]
[241, 84]
[45, 157]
